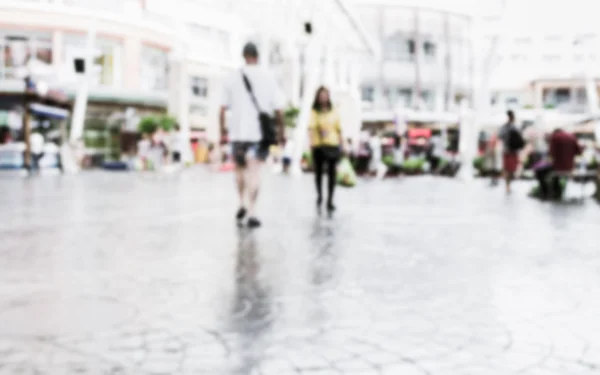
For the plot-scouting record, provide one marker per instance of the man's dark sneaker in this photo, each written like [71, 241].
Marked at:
[330, 207]
[254, 223]
[241, 214]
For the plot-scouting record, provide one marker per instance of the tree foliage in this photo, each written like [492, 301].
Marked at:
[151, 124]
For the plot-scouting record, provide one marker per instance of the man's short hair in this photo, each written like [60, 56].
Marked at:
[510, 114]
[250, 50]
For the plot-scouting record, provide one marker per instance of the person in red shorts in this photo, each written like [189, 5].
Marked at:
[513, 142]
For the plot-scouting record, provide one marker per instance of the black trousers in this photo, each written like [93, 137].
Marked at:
[325, 158]
[548, 189]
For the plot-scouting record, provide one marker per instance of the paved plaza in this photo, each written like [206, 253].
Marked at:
[145, 274]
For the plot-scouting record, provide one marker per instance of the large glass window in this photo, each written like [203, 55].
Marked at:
[429, 50]
[107, 68]
[398, 48]
[20, 48]
[155, 69]
[368, 93]
[199, 87]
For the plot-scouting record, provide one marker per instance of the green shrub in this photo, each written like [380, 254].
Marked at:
[150, 124]
[166, 122]
[291, 116]
[308, 157]
[479, 163]
[388, 160]
[414, 165]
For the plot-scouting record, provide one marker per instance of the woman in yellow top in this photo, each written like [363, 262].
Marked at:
[325, 141]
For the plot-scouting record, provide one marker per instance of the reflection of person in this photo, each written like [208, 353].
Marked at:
[245, 134]
[326, 141]
[252, 305]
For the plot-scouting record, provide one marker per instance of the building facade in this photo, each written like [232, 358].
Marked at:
[140, 56]
[543, 62]
[426, 56]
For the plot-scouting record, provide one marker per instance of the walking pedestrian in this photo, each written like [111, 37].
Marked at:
[252, 96]
[36, 141]
[326, 142]
[513, 143]
[288, 152]
[177, 144]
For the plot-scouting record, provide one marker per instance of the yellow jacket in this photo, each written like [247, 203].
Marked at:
[325, 129]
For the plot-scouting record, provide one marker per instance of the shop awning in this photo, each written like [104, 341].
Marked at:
[48, 111]
[419, 133]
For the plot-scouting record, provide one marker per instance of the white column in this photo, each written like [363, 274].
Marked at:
[355, 125]
[179, 96]
[296, 75]
[312, 61]
[81, 97]
[468, 120]
[329, 79]
[132, 60]
[58, 58]
[264, 50]
[183, 115]
[118, 67]
[439, 97]
[343, 74]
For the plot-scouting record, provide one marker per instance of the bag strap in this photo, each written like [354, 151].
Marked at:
[248, 86]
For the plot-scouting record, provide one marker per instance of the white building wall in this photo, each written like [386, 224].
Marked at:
[392, 80]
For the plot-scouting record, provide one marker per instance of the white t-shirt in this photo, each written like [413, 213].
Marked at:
[243, 122]
[288, 150]
[177, 142]
[36, 142]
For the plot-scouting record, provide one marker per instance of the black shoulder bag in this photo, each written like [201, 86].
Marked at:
[267, 122]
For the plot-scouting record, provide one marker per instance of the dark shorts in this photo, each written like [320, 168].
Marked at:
[241, 151]
[176, 156]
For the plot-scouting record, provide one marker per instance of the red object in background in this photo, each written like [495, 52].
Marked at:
[195, 146]
[227, 167]
[419, 133]
[563, 150]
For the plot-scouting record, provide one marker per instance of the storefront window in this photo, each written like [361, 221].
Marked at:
[199, 87]
[107, 59]
[155, 65]
[19, 48]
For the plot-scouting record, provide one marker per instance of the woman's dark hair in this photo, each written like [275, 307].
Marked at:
[317, 105]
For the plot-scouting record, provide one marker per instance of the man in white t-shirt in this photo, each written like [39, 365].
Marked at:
[177, 144]
[244, 130]
[36, 144]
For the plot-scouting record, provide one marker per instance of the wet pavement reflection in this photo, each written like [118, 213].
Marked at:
[148, 274]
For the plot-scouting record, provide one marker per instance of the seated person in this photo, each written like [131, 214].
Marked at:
[563, 150]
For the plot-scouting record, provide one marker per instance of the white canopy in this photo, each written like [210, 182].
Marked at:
[285, 19]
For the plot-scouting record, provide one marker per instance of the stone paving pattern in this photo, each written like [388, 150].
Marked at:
[147, 274]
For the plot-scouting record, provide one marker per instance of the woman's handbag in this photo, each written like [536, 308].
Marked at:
[346, 176]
